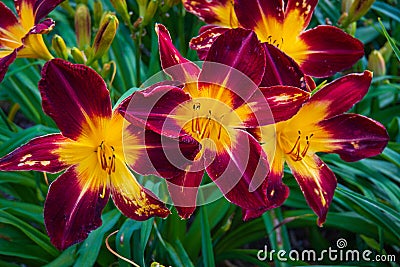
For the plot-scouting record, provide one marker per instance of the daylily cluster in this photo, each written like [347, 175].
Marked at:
[22, 36]
[239, 117]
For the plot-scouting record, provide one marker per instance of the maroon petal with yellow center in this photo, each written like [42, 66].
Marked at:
[280, 69]
[73, 208]
[329, 50]
[253, 14]
[240, 170]
[337, 97]
[132, 199]
[5, 62]
[44, 7]
[7, 18]
[218, 12]
[317, 182]
[239, 49]
[184, 188]
[150, 153]
[151, 107]
[39, 154]
[301, 9]
[67, 101]
[207, 36]
[354, 137]
[172, 61]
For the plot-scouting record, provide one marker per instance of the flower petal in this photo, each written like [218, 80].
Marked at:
[329, 50]
[44, 7]
[239, 49]
[172, 61]
[218, 12]
[5, 62]
[26, 13]
[299, 13]
[335, 98]
[184, 188]
[280, 69]
[39, 154]
[207, 35]
[7, 18]
[73, 208]
[78, 90]
[317, 182]
[151, 107]
[240, 171]
[264, 17]
[132, 199]
[150, 153]
[354, 137]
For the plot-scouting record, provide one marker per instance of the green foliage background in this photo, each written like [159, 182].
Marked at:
[365, 210]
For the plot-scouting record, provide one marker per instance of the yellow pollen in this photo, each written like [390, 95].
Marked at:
[106, 158]
[296, 153]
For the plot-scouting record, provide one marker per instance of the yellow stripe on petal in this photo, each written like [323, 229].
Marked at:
[26, 14]
[34, 47]
[226, 15]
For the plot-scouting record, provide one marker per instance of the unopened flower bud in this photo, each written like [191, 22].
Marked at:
[386, 51]
[59, 46]
[104, 37]
[376, 63]
[150, 11]
[77, 55]
[346, 4]
[97, 12]
[358, 9]
[122, 9]
[142, 7]
[82, 26]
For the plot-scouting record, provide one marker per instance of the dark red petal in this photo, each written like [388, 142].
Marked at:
[43, 8]
[355, 137]
[133, 200]
[304, 9]
[283, 101]
[240, 172]
[218, 12]
[340, 95]
[317, 182]
[207, 35]
[172, 61]
[39, 154]
[184, 188]
[329, 50]
[73, 94]
[150, 153]
[151, 107]
[5, 62]
[253, 13]
[280, 69]
[43, 27]
[72, 210]
[7, 18]
[239, 49]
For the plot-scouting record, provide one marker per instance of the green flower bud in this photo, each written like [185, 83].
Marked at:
[97, 12]
[142, 7]
[82, 26]
[376, 63]
[150, 11]
[104, 37]
[386, 51]
[122, 9]
[77, 55]
[358, 9]
[59, 46]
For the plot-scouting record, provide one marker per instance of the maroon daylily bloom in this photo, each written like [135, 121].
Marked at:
[320, 52]
[91, 150]
[22, 36]
[215, 107]
[320, 126]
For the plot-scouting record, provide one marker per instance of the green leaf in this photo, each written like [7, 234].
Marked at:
[390, 40]
[206, 242]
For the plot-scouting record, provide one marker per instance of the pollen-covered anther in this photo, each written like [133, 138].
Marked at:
[296, 153]
[106, 157]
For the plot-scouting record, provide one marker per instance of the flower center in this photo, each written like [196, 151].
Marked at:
[298, 152]
[106, 157]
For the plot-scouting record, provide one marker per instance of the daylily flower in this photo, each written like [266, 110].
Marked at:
[321, 126]
[320, 52]
[215, 105]
[22, 36]
[91, 150]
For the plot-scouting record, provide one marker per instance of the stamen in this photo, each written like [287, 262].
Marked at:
[103, 194]
[296, 153]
